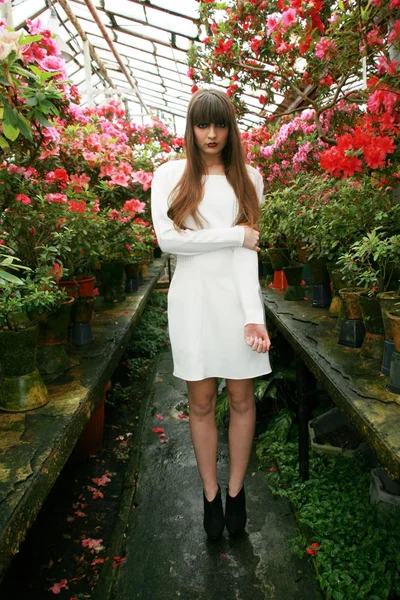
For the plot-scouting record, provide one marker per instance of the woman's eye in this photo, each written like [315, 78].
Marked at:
[202, 125]
[221, 124]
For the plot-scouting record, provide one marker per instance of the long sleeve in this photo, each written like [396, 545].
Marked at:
[245, 263]
[185, 242]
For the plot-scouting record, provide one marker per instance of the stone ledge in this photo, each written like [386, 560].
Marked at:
[34, 446]
[353, 382]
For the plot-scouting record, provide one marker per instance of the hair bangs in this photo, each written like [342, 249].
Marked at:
[209, 108]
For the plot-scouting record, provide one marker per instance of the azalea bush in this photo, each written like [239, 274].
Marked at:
[373, 262]
[31, 294]
[324, 215]
[312, 54]
[32, 89]
[74, 182]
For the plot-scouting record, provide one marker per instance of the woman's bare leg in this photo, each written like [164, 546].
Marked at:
[241, 430]
[202, 396]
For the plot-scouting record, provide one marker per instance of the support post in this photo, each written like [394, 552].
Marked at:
[88, 73]
[6, 13]
[304, 389]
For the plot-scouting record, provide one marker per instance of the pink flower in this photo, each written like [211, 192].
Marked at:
[24, 199]
[106, 170]
[79, 181]
[35, 27]
[120, 178]
[58, 198]
[324, 48]
[57, 587]
[273, 22]
[289, 17]
[2, 243]
[52, 63]
[96, 206]
[128, 247]
[144, 178]
[134, 206]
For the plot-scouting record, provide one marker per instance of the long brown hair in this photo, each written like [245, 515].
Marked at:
[213, 106]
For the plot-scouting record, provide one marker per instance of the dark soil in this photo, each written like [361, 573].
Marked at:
[341, 437]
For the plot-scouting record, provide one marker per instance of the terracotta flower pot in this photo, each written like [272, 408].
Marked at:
[394, 317]
[389, 301]
[374, 337]
[351, 302]
[82, 286]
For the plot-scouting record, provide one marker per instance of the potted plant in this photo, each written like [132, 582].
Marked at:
[370, 263]
[121, 241]
[21, 386]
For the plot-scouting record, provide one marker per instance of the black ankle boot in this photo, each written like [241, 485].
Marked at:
[214, 516]
[235, 512]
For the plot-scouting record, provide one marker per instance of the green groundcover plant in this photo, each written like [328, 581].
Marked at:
[355, 546]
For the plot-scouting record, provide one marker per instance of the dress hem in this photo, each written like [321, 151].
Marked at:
[263, 372]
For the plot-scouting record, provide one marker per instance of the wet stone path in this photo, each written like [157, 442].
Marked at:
[167, 552]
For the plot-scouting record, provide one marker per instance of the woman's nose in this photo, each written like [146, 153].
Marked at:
[212, 133]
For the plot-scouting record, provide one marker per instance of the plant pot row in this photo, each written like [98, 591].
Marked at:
[39, 349]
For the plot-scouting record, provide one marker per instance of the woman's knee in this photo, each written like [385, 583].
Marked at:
[202, 398]
[241, 396]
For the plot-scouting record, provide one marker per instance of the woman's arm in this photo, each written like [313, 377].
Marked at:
[186, 242]
[245, 264]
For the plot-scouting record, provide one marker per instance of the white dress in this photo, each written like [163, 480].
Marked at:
[215, 290]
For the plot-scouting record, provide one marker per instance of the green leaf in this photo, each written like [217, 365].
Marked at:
[10, 114]
[25, 127]
[24, 40]
[10, 132]
[4, 145]
[42, 120]
[10, 278]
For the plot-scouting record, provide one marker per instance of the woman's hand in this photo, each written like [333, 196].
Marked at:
[251, 237]
[256, 336]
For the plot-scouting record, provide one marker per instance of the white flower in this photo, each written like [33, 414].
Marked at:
[9, 43]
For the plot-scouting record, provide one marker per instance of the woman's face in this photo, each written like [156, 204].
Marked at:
[211, 138]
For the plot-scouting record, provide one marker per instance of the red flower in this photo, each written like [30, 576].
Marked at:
[79, 206]
[24, 199]
[194, 88]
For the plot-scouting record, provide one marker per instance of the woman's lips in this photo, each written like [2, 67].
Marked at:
[212, 144]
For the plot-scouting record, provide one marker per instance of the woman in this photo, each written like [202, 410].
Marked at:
[205, 210]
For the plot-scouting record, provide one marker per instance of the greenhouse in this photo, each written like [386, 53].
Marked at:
[200, 299]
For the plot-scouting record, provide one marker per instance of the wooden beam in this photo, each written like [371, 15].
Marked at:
[147, 4]
[84, 38]
[95, 15]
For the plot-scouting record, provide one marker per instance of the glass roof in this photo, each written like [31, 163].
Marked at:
[149, 37]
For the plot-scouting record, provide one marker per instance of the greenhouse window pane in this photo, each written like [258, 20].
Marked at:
[189, 8]
[25, 9]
